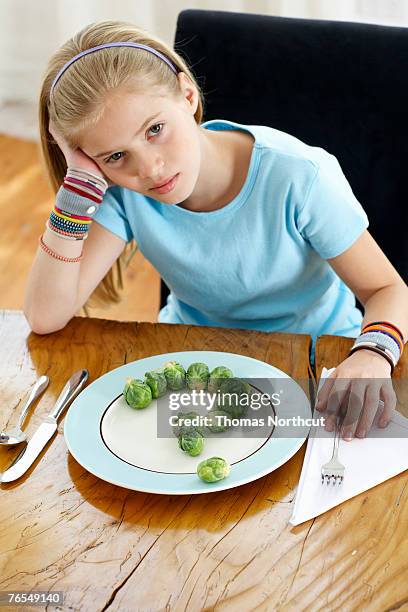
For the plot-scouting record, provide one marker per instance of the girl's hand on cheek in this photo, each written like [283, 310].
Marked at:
[75, 157]
[353, 391]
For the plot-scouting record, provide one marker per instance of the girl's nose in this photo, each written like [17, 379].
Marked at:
[150, 168]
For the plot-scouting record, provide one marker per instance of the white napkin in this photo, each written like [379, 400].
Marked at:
[368, 461]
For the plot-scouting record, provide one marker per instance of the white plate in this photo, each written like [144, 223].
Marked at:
[120, 444]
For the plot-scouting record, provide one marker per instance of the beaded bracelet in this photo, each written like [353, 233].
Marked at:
[56, 255]
[77, 200]
[65, 235]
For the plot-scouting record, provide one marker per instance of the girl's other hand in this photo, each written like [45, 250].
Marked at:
[353, 391]
[75, 157]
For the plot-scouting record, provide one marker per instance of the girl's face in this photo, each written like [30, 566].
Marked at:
[144, 140]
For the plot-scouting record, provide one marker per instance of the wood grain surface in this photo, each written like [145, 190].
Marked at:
[109, 548]
[365, 562]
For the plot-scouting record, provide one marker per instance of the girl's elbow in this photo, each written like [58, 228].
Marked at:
[42, 327]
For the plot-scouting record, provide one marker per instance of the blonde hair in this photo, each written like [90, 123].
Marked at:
[78, 103]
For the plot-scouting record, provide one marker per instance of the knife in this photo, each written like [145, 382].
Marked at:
[47, 428]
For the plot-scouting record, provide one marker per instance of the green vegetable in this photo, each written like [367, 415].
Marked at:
[175, 375]
[234, 397]
[197, 376]
[137, 393]
[157, 382]
[216, 377]
[184, 427]
[218, 425]
[191, 443]
[213, 469]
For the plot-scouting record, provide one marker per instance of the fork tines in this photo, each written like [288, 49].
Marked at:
[334, 478]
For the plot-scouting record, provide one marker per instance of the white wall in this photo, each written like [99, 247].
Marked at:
[31, 30]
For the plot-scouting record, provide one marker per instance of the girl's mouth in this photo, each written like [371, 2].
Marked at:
[167, 187]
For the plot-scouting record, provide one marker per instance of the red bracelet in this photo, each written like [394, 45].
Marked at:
[56, 255]
[386, 324]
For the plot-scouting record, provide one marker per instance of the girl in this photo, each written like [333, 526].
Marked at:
[248, 226]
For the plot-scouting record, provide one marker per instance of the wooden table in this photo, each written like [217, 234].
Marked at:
[363, 560]
[110, 548]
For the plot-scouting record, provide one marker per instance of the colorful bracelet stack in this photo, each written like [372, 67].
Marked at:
[383, 338]
[77, 201]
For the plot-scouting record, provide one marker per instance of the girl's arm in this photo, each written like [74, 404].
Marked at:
[365, 374]
[372, 278]
[56, 290]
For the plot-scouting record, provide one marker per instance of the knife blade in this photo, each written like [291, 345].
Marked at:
[46, 430]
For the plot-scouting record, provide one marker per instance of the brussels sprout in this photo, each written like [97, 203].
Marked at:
[175, 375]
[234, 394]
[216, 377]
[136, 393]
[218, 425]
[213, 469]
[191, 443]
[157, 382]
[197, 376]
[182, 428]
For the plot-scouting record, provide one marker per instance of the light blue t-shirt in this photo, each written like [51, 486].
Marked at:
[258, 262]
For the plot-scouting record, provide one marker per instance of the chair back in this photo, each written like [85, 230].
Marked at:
[337, 85]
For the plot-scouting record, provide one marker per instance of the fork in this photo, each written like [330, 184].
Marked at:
[16, 435]
[333, 469]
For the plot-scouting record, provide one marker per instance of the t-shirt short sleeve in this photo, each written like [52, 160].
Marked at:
[331, 218]
[112, 215]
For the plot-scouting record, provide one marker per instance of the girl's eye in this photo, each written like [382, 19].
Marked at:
[156, 125]
[111, 159]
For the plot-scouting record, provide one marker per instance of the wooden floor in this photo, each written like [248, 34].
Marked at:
[26, 200]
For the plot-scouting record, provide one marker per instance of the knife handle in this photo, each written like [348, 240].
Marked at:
[71, 390]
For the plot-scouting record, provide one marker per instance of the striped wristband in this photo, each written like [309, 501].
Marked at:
[77, 201]
[382, 338]
[386, 328]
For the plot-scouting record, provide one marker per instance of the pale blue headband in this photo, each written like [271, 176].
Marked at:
[114, 44]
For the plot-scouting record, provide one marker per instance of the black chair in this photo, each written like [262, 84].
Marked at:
[337, 85]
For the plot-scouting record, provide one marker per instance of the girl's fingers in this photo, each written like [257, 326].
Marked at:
[329, 422]
[325, 392]
[388, 396]
[358, 400]
[336, 402]
[355, 403]
[58, 139]
[371, 398]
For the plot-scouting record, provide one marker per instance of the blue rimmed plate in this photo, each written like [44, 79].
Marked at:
[120, 445]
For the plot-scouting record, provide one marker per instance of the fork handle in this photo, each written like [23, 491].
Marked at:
[337, 435]
[39, 387]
